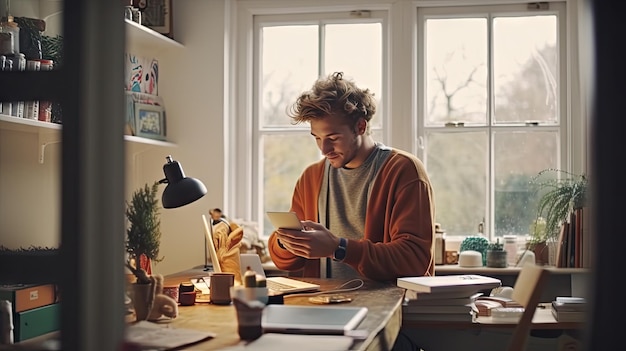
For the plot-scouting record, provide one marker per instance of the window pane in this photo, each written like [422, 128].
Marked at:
[282, 166]
[457, 166]
[456, 75]
[356, 50]
[519, 156]
[286, 75]
[525, 69]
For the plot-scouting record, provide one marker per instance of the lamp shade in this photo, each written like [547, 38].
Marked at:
[180, 190]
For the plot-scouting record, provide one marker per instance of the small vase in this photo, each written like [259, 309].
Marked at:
[496, 258]
[542, 253]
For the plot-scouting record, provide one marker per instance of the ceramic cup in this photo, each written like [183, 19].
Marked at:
[171, 291]
[220, 284]
[187, 298]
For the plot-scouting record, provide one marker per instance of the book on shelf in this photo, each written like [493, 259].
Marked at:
[439, 317]
[444, 309]
[24, 297]
[568, 316]
[503, 301]
[569, 305]
[414, 295]
[457, 285]
[484, 307]
[454, 301]
[569, 308]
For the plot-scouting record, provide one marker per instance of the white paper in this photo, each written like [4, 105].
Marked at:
[300, 342]
[148, 334]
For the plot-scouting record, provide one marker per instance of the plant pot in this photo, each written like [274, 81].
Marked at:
[496, 258]
[541, 251]
[143, 297]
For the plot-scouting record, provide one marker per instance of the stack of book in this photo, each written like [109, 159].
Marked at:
[486, 304]
[35, 309]
[443, 298]
[569, 309]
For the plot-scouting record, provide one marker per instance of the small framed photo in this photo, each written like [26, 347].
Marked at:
[156, 14]
[150, 121]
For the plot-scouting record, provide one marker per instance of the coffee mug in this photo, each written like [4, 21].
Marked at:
[220, 284]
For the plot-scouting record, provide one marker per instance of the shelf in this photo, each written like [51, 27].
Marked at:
[138, 36]
[136, 145]
[50, 133]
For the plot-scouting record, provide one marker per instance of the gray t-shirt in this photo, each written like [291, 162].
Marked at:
[343, 202]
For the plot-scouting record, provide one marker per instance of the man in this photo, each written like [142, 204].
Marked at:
[367, 206]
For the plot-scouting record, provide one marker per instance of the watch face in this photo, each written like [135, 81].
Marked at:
[340, 252]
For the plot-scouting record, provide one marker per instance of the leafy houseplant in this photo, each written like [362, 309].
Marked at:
[144, 233]
[559, 197]
[561, 192]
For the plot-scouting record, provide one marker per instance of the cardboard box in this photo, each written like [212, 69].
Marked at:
[24, 297]
[36, 322]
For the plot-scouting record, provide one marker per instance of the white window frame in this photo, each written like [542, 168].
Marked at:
[400, 88]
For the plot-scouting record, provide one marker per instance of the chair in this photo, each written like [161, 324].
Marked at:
[527, 292]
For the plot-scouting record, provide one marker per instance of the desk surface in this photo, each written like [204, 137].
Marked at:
[382, 322]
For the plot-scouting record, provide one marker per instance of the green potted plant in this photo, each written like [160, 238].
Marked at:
[496, 256]
[142, 245]
[144, 232]
[561, 192]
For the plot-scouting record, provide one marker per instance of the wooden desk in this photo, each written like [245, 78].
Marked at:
[382, 322]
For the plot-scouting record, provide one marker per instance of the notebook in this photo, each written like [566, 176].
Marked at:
[208, 231]
[297, 319]
[275, 285]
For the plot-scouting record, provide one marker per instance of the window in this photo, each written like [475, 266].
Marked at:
[292, 52]
[491, 112]
[487, 96]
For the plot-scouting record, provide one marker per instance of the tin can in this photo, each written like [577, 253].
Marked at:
[31, 108]
[6, 43]
[45, 107]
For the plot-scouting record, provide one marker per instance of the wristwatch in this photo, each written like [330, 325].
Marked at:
[340, 252]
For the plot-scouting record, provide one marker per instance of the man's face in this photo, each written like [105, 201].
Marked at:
[338, 141]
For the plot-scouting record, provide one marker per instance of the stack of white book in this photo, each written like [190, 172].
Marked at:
[443, 298]
[569, 309]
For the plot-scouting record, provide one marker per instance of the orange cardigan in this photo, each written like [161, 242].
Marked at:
[399, 225]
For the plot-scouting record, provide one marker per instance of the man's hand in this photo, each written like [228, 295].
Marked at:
[314, 241]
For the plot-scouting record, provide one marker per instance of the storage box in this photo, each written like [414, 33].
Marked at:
[28, 296]
[36, 322]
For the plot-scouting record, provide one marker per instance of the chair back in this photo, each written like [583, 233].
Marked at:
[527, 292]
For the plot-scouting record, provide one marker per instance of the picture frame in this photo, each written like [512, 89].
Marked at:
[150, 121]
[156, 14]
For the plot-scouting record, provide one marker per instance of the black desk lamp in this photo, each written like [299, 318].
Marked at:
[180, 190]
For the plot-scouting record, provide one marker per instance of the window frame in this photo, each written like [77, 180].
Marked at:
[400, 57]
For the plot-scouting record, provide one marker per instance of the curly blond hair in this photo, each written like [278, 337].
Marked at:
[334, 96]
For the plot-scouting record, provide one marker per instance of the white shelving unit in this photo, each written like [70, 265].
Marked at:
[91, 175]
[50, 133]
[139, 38]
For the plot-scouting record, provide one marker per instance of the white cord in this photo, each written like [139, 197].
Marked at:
[345, 287]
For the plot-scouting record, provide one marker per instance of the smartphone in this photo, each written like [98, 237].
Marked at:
[284, 220]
